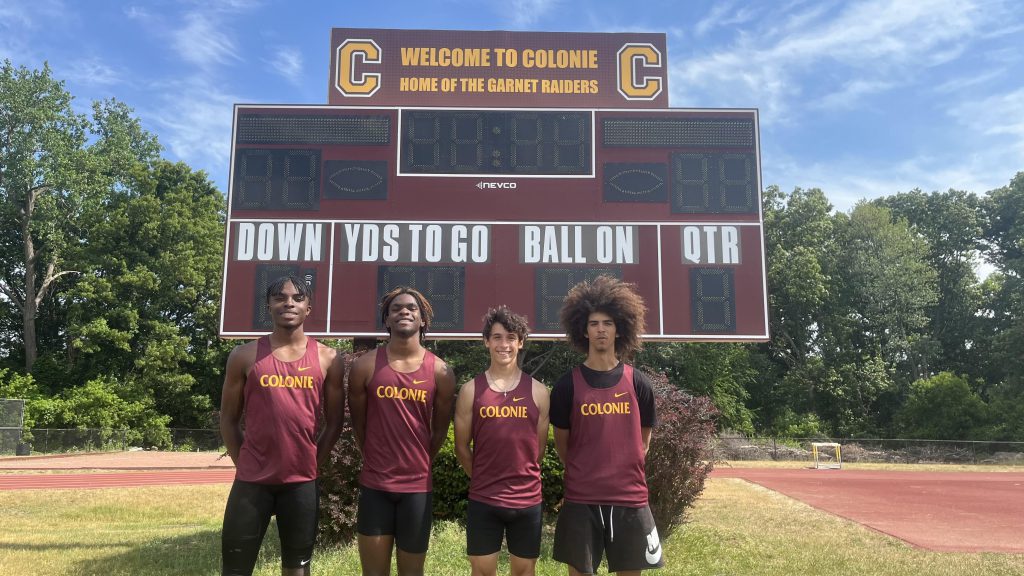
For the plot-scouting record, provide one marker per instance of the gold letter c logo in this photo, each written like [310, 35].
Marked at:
[632, 57]
[350, 81]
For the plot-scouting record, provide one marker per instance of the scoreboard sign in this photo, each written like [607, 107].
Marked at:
[478, 205]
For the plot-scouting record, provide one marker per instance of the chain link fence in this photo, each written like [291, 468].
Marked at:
[63, 440]
[12, 414]
[876, 450]
[15, 440]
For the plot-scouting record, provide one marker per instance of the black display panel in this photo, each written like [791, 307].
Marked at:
[713, 300]
[278, 179]
[678, 132]
[496, 142]
[292, 129]
[714, 183]
[443, 285]
[551, 286]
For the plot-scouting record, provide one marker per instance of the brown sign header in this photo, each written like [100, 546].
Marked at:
[374, 67]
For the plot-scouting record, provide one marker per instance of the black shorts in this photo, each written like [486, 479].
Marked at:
[627, 536]
[248, 513]
[486, 525]
[405, 515]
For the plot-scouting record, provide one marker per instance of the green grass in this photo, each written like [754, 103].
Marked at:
[736, 529]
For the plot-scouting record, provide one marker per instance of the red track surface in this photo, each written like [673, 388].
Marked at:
[946, 511]
[114, 480]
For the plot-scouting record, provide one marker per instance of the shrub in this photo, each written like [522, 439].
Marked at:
[339, 482]
[451, 485]
[680, 456]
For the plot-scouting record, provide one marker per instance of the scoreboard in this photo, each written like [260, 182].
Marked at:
[478, 206]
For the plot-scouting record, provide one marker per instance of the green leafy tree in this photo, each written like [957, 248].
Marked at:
[147, 306]
[942, 407]
[886, 288]
[952, 223]
[1004, 291]
[54, 163]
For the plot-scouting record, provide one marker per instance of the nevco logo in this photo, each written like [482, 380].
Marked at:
[495, 185]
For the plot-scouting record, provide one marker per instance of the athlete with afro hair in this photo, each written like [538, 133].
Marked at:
[603, 413]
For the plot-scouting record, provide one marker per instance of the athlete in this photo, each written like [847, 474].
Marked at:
[400, 399]
[603, 412]
[501, 430]
[279, 382]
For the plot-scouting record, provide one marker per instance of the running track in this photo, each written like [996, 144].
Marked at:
[944, 511]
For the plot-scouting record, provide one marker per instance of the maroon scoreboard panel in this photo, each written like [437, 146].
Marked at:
[477, 207]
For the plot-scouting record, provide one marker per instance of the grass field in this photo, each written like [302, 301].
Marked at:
[736, 529]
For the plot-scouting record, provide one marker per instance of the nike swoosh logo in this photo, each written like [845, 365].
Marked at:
[514, 399]
[621, 394]
[304, 368]
[653, 550]
[303, 562]
[414, 381]
[653, 555]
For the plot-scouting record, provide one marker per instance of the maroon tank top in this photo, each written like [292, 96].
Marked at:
[605, 461]
[505, 451]
[282, 401]
[399, 410]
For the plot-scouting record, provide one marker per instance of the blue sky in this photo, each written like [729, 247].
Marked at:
[861, 99]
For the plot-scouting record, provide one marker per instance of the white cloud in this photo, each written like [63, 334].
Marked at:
[203, 43]
[287, 62]
[722, 15]
[849, 95]
[877, 44]
[194, 123]
[525, 12]
[91, 72]
[996, 115]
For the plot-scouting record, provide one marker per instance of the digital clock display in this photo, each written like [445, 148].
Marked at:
[496, 142]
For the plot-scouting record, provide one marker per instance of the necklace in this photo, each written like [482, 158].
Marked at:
[504, 389]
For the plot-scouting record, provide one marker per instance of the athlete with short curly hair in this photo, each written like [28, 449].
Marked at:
[400, 398]
[603, 412]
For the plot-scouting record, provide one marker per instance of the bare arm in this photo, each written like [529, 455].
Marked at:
[464, 426]
[562, 443]
[232, 400]
[542, 398]
[362, 371]
[444, 379]
[334, 401]
[645, 435]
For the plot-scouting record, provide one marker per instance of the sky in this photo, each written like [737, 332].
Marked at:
[859, 98]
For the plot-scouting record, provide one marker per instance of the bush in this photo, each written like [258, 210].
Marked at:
[339, 482]
[451, 485]
[680, 457]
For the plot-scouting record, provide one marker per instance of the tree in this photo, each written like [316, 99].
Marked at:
[887, 287]
[1004, 291]
[952, 223]
[942, 407]
[147, 303]
[50, 175]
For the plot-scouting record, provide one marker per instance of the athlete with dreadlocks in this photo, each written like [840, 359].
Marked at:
[400, 397]
[603, 412]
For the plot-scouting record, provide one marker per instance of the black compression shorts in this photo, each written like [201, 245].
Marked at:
[248, 513]
[405, 515]
[486, 525]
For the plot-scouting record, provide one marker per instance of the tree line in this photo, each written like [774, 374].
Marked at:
[110, 279]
